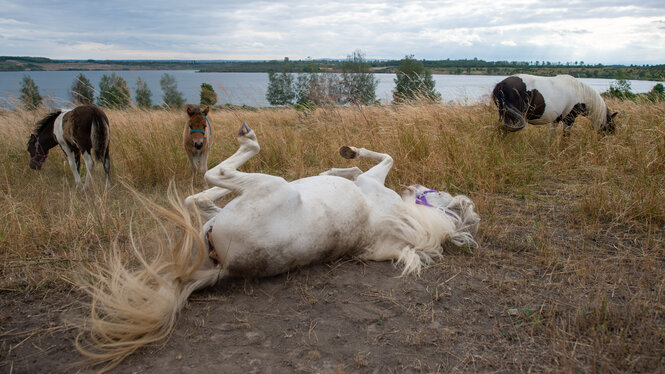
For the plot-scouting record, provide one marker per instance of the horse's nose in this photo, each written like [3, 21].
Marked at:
[198, 145]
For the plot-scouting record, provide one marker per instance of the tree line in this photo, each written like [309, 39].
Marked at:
[114, 93]
[355, 84]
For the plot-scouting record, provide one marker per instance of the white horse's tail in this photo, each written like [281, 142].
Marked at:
[132, 308]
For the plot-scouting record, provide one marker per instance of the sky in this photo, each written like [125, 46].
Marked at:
[607, 32]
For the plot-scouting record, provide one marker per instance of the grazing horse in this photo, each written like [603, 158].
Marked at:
[83, 130]
[538, 100]
[195, 138]
[271, 227]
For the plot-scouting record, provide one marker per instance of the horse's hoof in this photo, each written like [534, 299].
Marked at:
[347, 152]
[244, 130]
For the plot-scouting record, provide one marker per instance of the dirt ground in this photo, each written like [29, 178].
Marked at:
[541, 294]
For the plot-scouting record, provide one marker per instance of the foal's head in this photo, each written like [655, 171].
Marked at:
[197, 123]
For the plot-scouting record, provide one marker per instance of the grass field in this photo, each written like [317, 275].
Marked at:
[572, 238]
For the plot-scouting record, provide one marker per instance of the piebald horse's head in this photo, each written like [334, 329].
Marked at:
[197, 123]
[609, 125]
[37, 152]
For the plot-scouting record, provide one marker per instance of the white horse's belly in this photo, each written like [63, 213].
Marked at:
[295, 224]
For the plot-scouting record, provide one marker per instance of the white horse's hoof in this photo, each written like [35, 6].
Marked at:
[348, 152]
[244, 130]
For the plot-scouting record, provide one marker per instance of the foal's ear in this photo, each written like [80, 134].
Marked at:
[32, 138]
[206, 110]
[190, 110]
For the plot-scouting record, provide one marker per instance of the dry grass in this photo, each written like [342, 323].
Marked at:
[572, 239]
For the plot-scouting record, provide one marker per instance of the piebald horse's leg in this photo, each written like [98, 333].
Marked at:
[71, 158]
[89, 164]
[380, 171]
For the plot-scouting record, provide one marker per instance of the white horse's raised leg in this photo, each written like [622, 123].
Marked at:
[226, 179]
[348, 173]
[378, 172]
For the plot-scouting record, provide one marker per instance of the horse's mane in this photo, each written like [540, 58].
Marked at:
[597, 110]
[46, 122]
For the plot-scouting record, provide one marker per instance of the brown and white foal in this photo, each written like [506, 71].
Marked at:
[83, 130]
[195, 138]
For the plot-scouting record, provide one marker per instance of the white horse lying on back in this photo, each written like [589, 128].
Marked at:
[271, 227]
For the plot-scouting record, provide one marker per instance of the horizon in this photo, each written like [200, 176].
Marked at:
[607, 32]
[581, 63]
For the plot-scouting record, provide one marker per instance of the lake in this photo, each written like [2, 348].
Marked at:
[250, 88]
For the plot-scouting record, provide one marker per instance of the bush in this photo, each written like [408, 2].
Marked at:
[171, 96]
[82, 91]
[113, 92]
[280, 88]
[143, 94]
[30, 96]
[208, 95]
[414, 82]
[358, 81]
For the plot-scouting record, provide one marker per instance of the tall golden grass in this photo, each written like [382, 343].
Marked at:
[46, 226]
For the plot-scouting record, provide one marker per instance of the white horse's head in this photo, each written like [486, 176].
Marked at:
[460, 209]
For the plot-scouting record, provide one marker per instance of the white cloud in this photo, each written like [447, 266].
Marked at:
[605, 31]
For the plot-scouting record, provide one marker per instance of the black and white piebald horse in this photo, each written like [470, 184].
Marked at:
[83, 130]
[538, 100]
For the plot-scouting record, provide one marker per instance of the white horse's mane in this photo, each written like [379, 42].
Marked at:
[595, 105]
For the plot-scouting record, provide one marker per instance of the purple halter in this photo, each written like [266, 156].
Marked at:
[39, 157]
[422, 200]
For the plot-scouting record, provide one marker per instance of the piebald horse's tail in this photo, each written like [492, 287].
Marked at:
[100, 137]
[133, 307]
[100, 134]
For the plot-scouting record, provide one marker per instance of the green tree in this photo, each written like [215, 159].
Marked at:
[171, 96]
[620, 88]
[30, 96]
[208, 95]
[113, 92]
[357, 79]
[280, 86]
[143, 94]
[82, 91]
[657, 93]
[414, 82]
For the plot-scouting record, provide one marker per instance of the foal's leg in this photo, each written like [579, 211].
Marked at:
[107, 167]
[377, 172]
[71, 158]
[89, 165]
